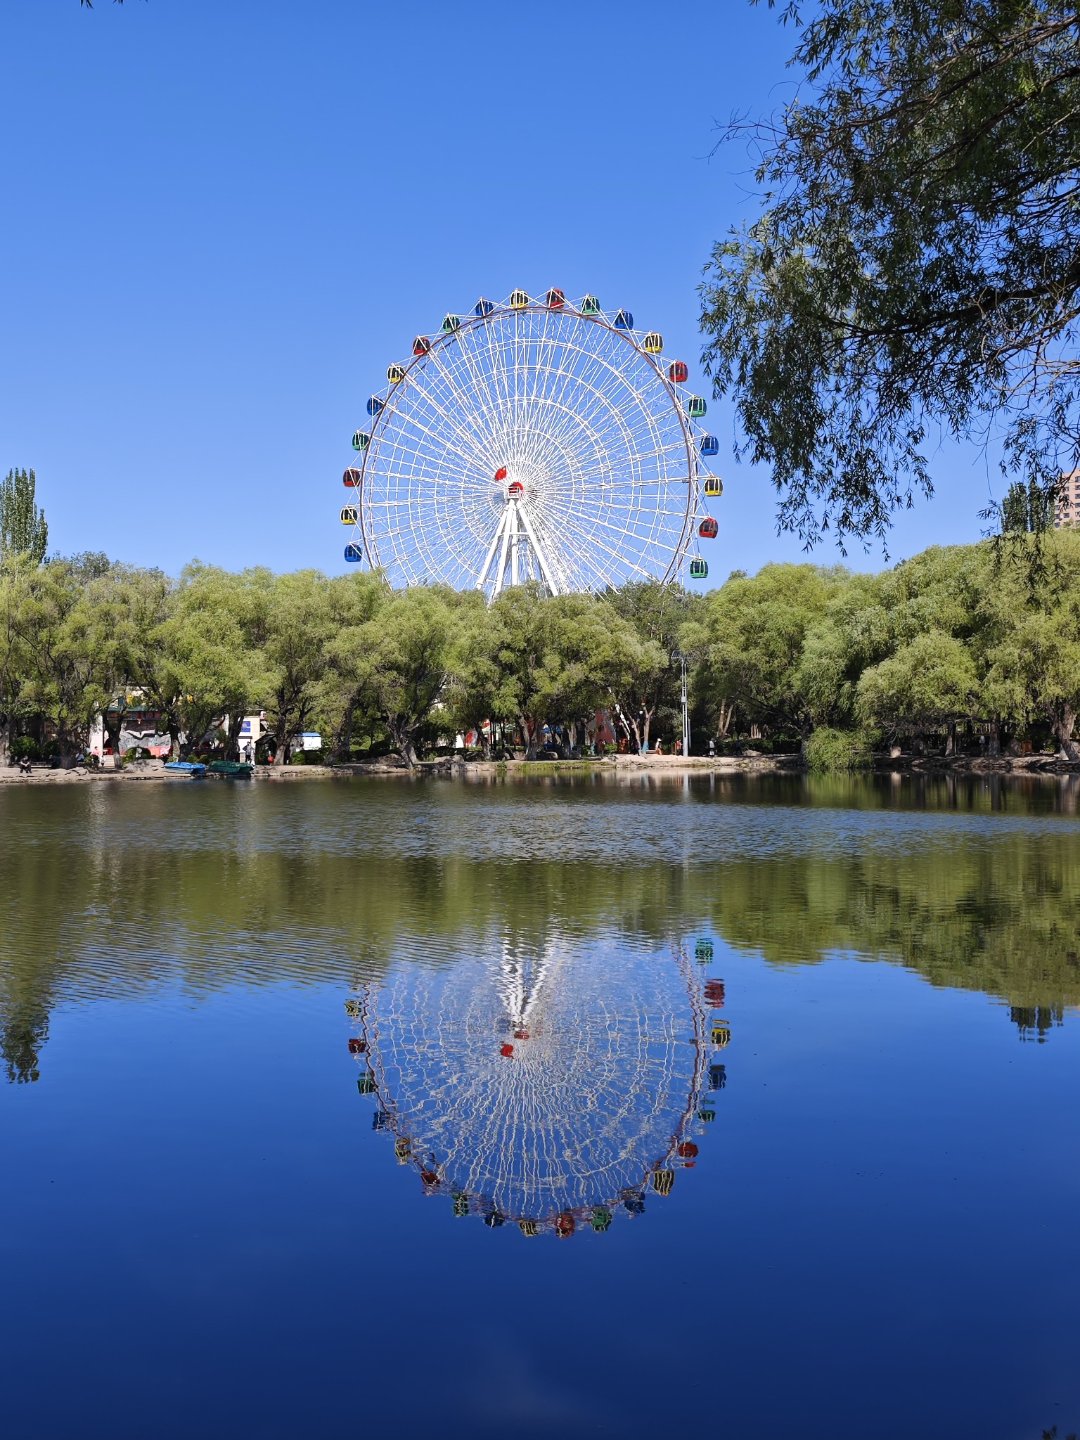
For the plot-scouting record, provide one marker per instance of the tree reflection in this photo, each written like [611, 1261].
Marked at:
[100, 903]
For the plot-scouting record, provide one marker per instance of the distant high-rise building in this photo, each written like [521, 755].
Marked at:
[1067, 502]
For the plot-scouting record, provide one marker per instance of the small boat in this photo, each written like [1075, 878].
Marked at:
[232, 769]
[186, 767]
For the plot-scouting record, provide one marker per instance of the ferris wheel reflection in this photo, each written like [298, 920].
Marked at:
[552, 1086]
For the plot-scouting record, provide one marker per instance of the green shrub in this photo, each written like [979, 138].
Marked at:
[832, 750]
[25, 747]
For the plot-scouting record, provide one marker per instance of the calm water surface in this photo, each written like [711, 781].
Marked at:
[541, 1109]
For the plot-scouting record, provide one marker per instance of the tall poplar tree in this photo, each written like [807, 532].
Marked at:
[23, 530]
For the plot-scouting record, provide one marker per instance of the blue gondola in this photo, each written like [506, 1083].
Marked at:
[710, 445]
[483, 308]
[353, 554]
[624, 320]
[374, 405]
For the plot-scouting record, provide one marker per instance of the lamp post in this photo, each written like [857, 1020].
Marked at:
[685, 711]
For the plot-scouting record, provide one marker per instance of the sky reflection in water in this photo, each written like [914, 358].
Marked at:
[857, 1217]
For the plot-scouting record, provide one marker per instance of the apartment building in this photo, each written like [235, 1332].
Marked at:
[1067, 504]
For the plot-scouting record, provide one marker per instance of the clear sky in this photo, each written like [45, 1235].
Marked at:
[223, 218]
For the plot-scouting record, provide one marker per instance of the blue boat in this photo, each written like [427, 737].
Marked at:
[185, 767]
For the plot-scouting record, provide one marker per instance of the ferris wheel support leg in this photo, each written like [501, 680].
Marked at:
[490, 556]
[500, 572]
[515, 545]
[541, 558]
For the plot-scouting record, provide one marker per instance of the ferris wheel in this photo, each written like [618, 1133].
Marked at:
[536, 439]
[550, 1086]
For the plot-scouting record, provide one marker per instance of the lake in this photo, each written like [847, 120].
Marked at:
[552, 1108]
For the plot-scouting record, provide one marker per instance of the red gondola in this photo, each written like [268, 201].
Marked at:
[708, 528]
[421, 345]
[678, 372]
[351, 476]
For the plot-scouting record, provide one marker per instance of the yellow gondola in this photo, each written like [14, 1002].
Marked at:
[349, 514]
[518, 299]
[653, 343]
[395, 374]
[714, 486]
[663, 1181]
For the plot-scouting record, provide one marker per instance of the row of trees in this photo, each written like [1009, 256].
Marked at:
[361, 663]
[984, 636]
[972, 636]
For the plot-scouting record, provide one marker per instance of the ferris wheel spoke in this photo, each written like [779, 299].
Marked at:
[471, 405]
[585, 548]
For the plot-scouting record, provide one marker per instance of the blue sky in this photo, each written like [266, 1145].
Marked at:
[224, 217]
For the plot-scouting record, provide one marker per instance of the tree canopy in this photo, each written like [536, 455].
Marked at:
[915, 267]
[948, 648]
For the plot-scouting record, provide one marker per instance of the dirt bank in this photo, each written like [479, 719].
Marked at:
[153, 771]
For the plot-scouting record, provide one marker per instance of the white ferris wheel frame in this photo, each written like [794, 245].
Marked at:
[492, 1128]
[530, 440]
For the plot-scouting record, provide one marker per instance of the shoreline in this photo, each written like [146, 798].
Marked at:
[666, 765]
